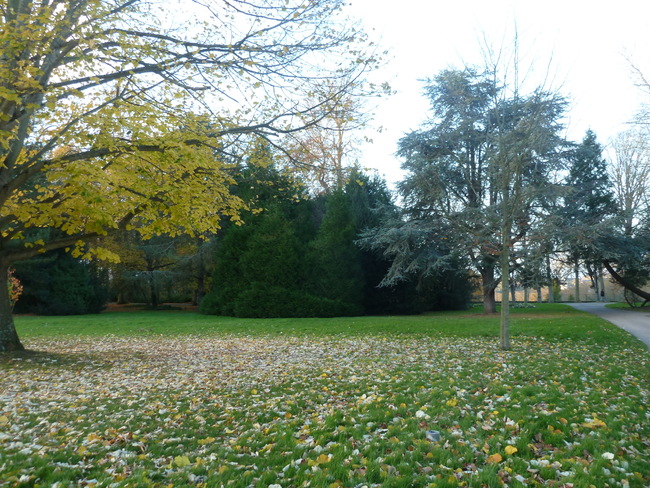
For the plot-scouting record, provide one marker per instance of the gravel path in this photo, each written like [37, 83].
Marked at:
[636, 323]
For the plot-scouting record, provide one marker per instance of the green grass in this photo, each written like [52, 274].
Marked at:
[177, 399]
[552, 320]
[626, 306]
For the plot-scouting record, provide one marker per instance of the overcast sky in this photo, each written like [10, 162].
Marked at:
[586, 43]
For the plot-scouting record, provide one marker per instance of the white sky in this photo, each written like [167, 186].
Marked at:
[585, 41]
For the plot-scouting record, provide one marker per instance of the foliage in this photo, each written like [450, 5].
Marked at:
[336, 271]
[125, 114]
[264, 404]
[15, 288]
[476, 170]
[56, 283]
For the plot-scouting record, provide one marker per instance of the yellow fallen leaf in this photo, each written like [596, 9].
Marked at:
[494, 458]
[4, 420]
[81, 450]
[182, 461]
[594, 424]
[323, 458]
[510, 450]
[207, 440]
[223, 469]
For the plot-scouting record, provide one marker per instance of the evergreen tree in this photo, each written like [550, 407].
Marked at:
[336, 261]
[588, 208]
[58, 284]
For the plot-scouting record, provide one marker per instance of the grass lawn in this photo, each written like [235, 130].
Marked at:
[638, 306]
[179, 399]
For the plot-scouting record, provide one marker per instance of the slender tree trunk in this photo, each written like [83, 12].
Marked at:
[576, 271]
[153, 294]
[539, 294]
[200, 280]
[505, 279]
[549, 277]
[602, 284]
[8, 336]
[505, 302]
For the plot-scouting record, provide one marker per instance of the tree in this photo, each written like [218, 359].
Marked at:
[625, 250]
[588, 208]
[325, 152]
[110, 121]
[336, 260]
[477, 168]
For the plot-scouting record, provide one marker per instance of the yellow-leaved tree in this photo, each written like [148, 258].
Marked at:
[119, 114]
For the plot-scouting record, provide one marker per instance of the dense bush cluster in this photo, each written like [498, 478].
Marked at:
[301, 258]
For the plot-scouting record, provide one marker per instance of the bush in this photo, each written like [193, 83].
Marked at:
[260, 300]
[58, 284]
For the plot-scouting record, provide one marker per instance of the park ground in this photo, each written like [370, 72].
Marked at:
[179, 399]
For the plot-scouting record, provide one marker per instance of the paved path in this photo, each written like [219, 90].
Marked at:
[636, 323]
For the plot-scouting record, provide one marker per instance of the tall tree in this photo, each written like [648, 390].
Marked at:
[449, 183]
[588, 208]
[108, 119]
[477, 168]
[626, 250]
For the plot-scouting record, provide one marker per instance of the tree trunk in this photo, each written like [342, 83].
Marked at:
[626, 284]
[601, 279]
[153, 293]
[8, 336]
[504, 329]
[505, 303]
[539, 294]
[576, 271]
[200, 281]
[488, 285]
[549, 277]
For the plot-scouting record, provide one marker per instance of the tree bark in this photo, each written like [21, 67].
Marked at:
[576, 270]
[549, 277]
[8, 336]
[626, 284]
[489, 287]
[505, 302]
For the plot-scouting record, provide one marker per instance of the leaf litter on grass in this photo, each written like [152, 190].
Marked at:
[323, 412]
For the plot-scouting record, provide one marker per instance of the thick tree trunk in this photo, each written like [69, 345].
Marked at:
[626, 284]
[488, 285]
[8, 336]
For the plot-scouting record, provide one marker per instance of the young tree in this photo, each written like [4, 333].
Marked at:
[109, 119]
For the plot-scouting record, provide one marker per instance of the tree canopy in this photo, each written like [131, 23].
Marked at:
[118, 114]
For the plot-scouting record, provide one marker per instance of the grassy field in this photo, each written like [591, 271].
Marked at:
[638, 306]
[179, 399]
